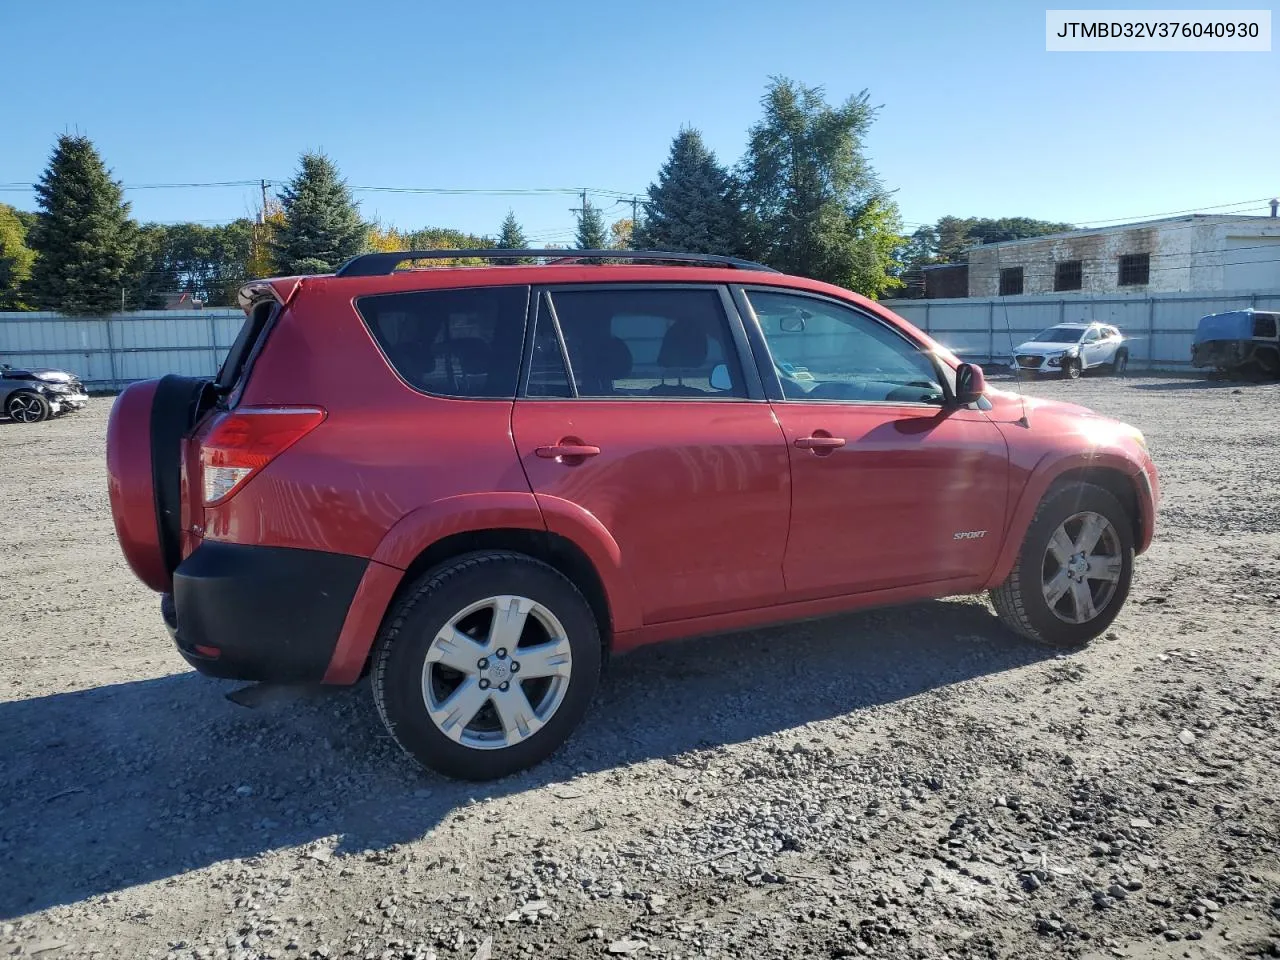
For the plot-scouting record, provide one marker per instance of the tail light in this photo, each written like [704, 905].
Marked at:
[239, 444]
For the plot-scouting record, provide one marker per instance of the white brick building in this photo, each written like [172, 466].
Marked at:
[1200, 252]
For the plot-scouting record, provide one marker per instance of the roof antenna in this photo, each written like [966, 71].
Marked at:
[1017, 380]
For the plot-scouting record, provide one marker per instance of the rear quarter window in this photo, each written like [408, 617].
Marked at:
[452, 343]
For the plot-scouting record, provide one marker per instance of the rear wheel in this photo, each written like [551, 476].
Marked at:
[1120, 364]
[1073, 572]
[486, 665]
[27, 407]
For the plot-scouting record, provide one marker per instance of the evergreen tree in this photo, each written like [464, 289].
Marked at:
[592, 232]
[15, 259]
[813, 204]
[690, 209]
[322, 226]
[84, 239]
[511, 237]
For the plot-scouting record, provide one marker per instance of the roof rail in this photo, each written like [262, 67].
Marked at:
[383, 264]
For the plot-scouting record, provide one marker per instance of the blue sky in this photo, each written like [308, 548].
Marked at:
[977, 118]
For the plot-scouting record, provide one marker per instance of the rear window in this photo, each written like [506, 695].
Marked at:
[453, 343]
[1264, 324]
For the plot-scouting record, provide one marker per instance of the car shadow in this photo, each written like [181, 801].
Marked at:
[1190, 385]
[106, 788]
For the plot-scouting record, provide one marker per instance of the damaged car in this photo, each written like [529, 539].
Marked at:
[1238, 342]
[37, 393]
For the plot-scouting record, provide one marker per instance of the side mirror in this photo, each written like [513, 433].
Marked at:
[970, 384]
[720, 378]
[792, 322]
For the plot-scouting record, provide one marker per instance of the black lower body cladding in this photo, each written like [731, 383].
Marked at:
[273, 614]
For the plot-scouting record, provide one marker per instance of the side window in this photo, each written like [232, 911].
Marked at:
[455, 343]
[547, 374]
[823, 351]
[642, 342]
[1092, 335]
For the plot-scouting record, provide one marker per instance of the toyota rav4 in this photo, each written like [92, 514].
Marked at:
[473, 484]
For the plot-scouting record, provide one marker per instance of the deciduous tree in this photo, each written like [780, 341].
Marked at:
[813, 204]
[15, 259]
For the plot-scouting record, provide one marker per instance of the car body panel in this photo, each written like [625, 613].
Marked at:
[383, 452]
[1047, 439]
[696, 493]
[885, 509]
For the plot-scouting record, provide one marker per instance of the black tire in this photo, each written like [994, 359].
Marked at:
[1071, 369]
[178, 404]
[426, 607]
[1120, 365]
[1020, 600]
[27, 406]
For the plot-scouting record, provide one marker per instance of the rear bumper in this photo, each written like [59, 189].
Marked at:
[1221, 354]
[255, 613]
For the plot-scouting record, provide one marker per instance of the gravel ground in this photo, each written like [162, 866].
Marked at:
[913, 782]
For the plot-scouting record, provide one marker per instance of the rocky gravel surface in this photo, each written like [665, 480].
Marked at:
[912, 782]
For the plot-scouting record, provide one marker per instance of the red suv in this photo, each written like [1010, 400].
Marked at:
[474, 484]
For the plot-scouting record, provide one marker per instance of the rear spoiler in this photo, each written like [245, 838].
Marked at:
[279, 289]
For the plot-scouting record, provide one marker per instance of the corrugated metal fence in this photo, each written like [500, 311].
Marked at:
[108, 352]
[1160, 326]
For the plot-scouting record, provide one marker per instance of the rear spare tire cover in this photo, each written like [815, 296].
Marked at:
[144, 472]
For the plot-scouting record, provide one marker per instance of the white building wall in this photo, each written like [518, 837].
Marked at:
[1213, 254]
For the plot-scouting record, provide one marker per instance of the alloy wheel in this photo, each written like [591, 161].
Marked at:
[496, 672]
[25, 409]
[1081, 568]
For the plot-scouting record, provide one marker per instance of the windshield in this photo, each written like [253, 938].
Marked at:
[1060, 335]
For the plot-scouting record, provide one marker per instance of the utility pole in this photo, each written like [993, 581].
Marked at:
[580, 212]
[635, 217]
[262, 212]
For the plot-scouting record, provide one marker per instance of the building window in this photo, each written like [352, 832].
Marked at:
[1135, 269]
[1068, 275]
[1010, 281]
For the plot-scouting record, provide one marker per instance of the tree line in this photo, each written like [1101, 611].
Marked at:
[803, 198]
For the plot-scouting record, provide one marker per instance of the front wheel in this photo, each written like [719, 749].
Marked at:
[1071, 369]
[486, 665]
[27, 407]
[1073, 572]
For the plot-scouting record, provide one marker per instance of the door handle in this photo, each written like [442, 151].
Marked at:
[820, 443]
[569, 451]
